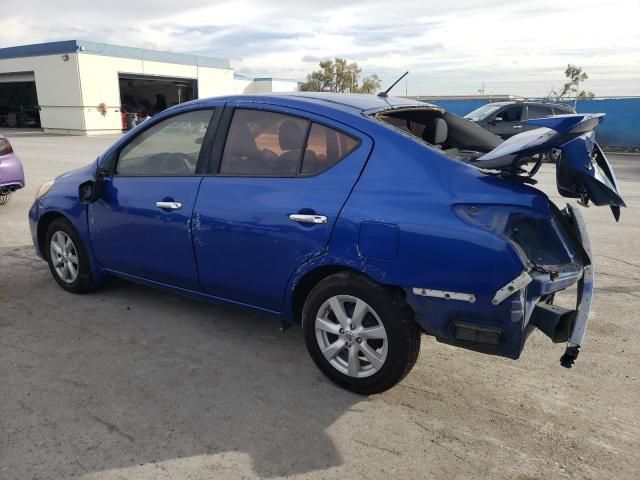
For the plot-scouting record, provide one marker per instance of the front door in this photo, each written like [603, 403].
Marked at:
[278, 187]
[506, 122]
[141, 225]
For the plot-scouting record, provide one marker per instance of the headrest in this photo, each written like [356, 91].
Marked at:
[242, 141]
[290, 135]
[436, 131]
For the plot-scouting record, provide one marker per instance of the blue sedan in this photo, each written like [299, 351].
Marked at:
[368, 220]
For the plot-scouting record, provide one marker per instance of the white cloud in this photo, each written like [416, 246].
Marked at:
[514, 47]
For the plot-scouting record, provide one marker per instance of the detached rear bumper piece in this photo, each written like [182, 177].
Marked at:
[585, 294]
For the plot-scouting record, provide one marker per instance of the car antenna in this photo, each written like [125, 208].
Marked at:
[385, 94]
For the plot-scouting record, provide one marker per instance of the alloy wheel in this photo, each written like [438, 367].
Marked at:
[64, 257]
[351, 336]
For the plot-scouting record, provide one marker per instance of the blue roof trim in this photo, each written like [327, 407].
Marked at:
[38, 49]
[274, 79]
[95, 48]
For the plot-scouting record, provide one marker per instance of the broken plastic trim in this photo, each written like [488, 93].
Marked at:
[585, 294]
[463, 297]
[512, 287]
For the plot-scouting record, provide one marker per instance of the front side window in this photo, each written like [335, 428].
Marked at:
[511, 114]
[263, 143]
[169, 148]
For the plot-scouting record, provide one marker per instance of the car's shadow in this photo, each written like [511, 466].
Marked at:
[131, 375]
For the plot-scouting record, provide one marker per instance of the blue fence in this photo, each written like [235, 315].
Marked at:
[621, 127]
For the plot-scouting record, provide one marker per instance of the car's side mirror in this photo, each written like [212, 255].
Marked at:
[495, 120]
[92, 190]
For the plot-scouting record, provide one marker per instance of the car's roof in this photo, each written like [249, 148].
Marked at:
[531, 102]
[344, 101]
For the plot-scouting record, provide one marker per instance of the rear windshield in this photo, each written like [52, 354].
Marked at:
[455, 136]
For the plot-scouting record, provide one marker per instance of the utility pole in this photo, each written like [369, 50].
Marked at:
[481, 90]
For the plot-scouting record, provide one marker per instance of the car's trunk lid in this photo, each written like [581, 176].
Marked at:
[582, 171]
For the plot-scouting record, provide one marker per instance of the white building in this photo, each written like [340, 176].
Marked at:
[82, 87]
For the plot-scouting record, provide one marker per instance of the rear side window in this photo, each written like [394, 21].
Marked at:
[559, 111]
[261, 143]
[536, 111]
[171, 147]
[325, 148]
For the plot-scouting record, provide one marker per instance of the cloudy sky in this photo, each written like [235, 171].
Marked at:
[517, 47]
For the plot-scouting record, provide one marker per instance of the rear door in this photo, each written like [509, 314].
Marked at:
[279, 178]
[141, 224]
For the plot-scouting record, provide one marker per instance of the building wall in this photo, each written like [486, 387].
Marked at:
[265, 85]
[215, 81]
[79, 93]
[99, 79]
[58, 88]
[284, 85]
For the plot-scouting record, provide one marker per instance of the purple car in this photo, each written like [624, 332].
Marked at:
[11, 172]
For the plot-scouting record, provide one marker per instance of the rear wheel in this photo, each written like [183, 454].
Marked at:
[4, 199]
[68, 259]
[359, 334]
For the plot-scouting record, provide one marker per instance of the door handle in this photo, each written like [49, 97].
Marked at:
[301, 218]
[517, 127]
[169, 205]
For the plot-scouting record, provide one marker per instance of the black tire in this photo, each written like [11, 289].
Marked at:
[83, 282]
[402, 332]
[4, 199]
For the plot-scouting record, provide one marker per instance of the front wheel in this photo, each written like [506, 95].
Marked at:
[359, 334]
[67, 258]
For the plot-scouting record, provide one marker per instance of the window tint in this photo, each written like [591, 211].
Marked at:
[511, 114]
[263, 144]
[325, 148]
[170, 147]
[537, 111]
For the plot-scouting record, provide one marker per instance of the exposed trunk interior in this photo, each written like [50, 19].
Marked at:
[455, 136]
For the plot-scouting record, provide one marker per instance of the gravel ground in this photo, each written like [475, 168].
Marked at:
[132, 383]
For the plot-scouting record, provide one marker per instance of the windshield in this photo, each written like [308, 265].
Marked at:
[482, 112]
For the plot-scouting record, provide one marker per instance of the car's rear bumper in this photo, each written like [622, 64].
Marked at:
[11, 172]
[500, 322]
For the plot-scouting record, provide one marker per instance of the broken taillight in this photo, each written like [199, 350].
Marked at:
[533, 234]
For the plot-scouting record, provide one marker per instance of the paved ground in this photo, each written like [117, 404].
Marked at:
[131, 383]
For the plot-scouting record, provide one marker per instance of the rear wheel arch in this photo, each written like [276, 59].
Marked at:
[311, 278]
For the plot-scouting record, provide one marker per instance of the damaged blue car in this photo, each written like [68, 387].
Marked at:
[369, 220]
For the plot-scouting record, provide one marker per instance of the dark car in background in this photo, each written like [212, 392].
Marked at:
[506, 119]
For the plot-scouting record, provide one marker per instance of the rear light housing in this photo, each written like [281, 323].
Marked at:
[5, 147]
[537, 238]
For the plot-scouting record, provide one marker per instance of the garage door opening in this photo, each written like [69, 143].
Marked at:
[143, 95]
[19, 101]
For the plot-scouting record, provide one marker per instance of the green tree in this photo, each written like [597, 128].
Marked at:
[340, 76]
[575, 76]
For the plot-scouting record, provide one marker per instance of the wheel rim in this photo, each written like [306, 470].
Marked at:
[64, 257]
[351, 336]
